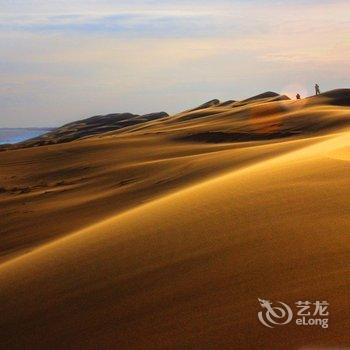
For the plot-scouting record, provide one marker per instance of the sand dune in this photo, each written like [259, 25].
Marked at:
[151, 237]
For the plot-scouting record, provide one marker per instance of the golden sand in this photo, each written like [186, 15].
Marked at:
[164, 235]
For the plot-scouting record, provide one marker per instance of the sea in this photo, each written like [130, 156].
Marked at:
[15, 135]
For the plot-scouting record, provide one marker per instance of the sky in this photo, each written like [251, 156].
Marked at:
[65, 60]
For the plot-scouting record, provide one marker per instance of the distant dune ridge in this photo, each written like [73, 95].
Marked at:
[245, 123]
[162, 232]
[89, 127]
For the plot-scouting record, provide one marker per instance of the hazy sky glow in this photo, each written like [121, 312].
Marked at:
[63, 60]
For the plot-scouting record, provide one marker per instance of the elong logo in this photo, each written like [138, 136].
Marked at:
[274, 315]
[279, 313]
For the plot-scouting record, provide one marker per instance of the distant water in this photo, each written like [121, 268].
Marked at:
[20, 134]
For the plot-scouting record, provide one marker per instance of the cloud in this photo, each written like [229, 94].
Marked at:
[173, 18]
[62, 60]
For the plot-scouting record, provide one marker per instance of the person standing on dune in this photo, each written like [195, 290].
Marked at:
[317, 89]
[298, 96]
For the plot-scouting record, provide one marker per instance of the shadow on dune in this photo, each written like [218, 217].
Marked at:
[221, 137]
[301, 128]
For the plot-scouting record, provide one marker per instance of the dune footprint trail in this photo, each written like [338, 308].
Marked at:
[186, 270]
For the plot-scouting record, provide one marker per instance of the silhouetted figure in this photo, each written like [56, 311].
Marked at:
[317, 89]
[298, 97]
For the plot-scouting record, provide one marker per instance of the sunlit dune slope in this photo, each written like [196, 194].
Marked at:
[186, 270]
[49, 191]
